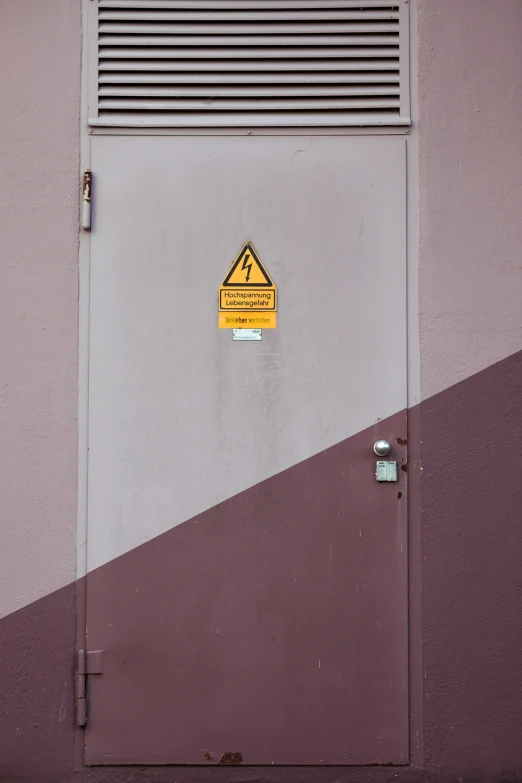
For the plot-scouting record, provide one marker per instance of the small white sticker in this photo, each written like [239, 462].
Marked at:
[247, 334]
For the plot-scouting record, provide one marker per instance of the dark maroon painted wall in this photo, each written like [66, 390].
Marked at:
[471, 546]
[472, 573]
[37, 661]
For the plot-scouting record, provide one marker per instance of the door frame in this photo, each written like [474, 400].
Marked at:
[413, 397]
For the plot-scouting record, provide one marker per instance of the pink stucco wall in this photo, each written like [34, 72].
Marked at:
[470, 183]
[40, 46]
[470, 270]
[470, 168]
[470, 106]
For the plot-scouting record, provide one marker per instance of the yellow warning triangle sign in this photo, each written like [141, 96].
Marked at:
[247, 271]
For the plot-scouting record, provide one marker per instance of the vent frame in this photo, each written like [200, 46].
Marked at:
[303, 117]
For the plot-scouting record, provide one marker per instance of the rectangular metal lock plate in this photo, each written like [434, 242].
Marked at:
[386, 470]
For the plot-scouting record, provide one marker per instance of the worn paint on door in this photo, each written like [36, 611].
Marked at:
[247, 573]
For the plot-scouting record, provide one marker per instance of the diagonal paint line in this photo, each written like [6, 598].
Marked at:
[38, 641]
[494, 369]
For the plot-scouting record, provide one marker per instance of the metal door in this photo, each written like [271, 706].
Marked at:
[247, 573]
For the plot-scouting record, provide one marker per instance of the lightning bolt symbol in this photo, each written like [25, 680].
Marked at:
[247, 266]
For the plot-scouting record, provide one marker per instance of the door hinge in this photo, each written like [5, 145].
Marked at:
[86, 200]
[87, 662]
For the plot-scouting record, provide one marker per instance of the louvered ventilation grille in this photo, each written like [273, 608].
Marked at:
[212, 63]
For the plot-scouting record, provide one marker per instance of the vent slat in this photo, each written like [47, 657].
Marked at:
[271, 52]
[233, 41]
[251, 65]
[272, 5]
[250, 119]
[251, 78]
[188, 63]
[257, 28]
[328, 16]
[248, 91]
[220, 104]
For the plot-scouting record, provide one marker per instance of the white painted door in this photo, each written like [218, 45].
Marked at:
[247, 574]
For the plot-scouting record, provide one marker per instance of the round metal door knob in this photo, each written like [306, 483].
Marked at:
[382, 448]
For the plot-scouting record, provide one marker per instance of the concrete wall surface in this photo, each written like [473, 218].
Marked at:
[466, 542]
